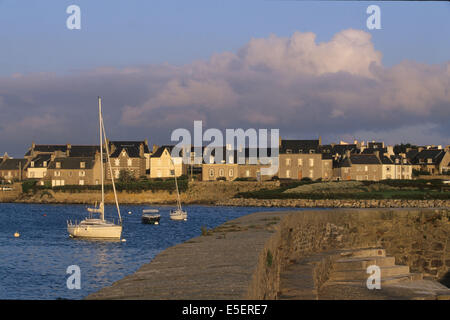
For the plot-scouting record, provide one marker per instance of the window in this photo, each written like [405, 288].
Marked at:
[116, 174]
[300, 162]
[82, 164]
[288, 173]
[57, 173]
[288, 151]
[116, 162]
[211, 172]
[58, 165]
[311, 173]
[247, 173]
[45, 164]
[130, 162]
[366, 168]
[82, 173]
[81, 182]
[231, 172]
[221, 173]
[32, 164]
[311, 162]
[70, 173]
[288, 162]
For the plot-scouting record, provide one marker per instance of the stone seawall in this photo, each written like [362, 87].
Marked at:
[325, 203]
[198, 192]
[243, 258]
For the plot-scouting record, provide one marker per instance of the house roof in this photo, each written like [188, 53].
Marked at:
[435, 154]
[386, 160]
[338, 148]
[132, 148]
[39, 160]
[299, 146]
[13, 164]
[48, 148]
[160, 151]
[364, 159]
[73, 163]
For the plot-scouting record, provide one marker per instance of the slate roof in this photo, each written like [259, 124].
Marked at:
[338, 149]
[364, 159]
[160, 151]
[13, 164]
[131, 147]
[72, 163]
[39, 160]
[48, 148]
[424, 155]
[299, 146]
[84, 151]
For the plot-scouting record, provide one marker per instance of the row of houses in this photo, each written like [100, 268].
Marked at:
[61, 165]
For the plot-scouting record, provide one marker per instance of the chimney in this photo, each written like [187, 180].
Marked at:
[155, 147]
[33, 145]
[377, 154]
[320, 140]
[141, 150]
[69, 146]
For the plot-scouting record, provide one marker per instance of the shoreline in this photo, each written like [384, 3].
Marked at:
[273, 203]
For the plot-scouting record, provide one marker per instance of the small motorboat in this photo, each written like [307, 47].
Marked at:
[150, 216]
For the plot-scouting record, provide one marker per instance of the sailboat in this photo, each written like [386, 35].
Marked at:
[98, 227]
[178, 213]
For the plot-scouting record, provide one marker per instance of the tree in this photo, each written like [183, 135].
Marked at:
[126, 176]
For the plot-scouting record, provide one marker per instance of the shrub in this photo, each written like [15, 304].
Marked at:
[28, 185]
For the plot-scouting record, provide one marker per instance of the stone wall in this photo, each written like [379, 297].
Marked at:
[324, 203]
[243, 258]
[198, 192]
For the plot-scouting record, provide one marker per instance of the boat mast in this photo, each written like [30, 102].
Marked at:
[176, 185]
[111, 172]
[102, 204]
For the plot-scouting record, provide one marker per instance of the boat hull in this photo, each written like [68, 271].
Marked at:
[178, 215]
[111, 232]
[151, 219]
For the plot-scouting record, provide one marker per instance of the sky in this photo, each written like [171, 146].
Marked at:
[309, 68]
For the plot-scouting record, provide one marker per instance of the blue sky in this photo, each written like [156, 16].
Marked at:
[160, 65]
[121, 33]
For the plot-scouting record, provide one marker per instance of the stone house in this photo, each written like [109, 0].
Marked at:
[74, 171]
[13, 169]
[132, 156]
[245, 163]
[434, 161]
[360, 167]
[163, 165]
[300, 159]
[37, 168]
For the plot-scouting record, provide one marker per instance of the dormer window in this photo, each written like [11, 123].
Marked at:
[58, 165]
[82, 165]
[430, 160]
[32, 164]
[312, 151]
[45, 164]
[288, 151]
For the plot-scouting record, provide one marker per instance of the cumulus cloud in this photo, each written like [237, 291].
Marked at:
[337, 88]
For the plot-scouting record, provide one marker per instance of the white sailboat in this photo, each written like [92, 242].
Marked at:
[178, 213]
[99, 228]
